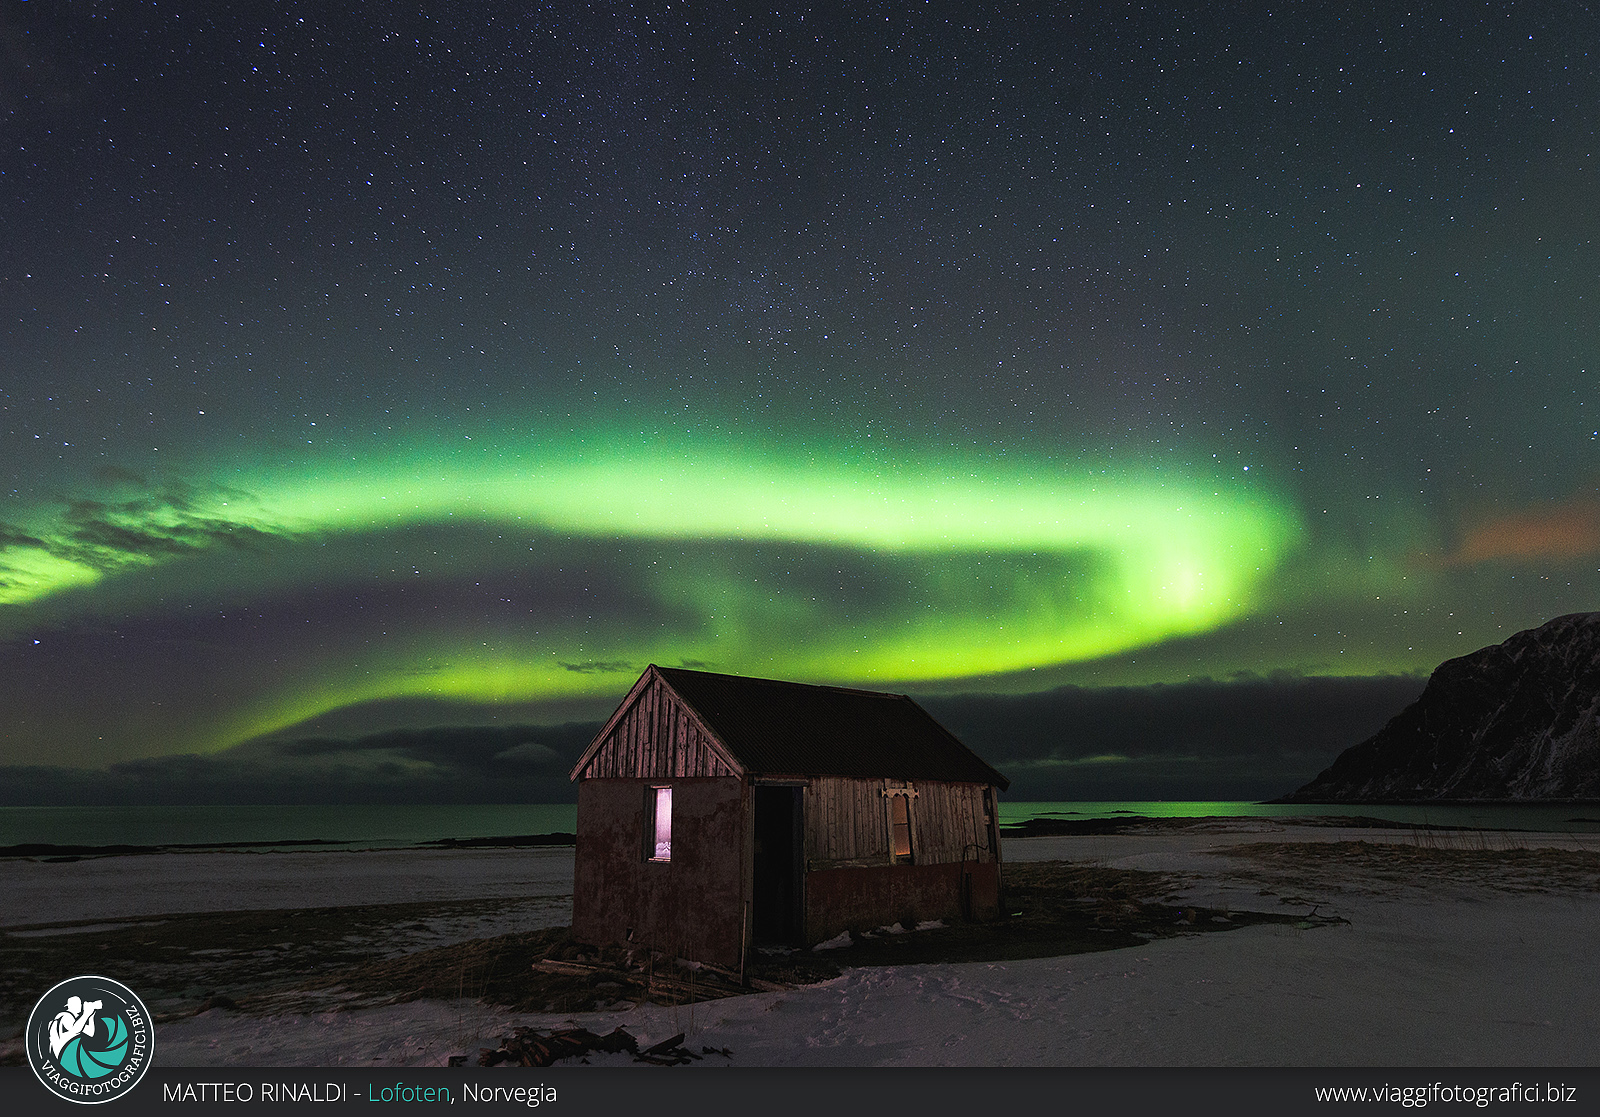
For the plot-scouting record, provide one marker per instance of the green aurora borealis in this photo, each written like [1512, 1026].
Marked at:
[803, 566]
[359, 375]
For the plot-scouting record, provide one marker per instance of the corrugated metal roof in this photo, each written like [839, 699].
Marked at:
[794, 729]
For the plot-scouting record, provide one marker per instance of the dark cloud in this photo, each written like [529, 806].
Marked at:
[459, 764]
[117, 475]
[1247, 738]
[146, 523]
[108, 534]
[12, 536]
[601, 667]
[1250, 738]
[534, 756]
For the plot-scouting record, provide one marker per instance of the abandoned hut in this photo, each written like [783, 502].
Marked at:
[716, 812]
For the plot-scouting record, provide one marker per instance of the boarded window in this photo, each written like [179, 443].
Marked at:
[661, 823]
[900, 827]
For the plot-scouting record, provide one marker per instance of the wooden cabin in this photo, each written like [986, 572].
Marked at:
[716, 812]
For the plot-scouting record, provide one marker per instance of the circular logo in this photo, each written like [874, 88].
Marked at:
[90, 1039]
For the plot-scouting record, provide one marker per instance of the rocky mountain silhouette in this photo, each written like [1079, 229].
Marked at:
[1518, 721]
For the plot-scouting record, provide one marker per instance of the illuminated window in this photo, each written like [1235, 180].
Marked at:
[661, 824]
[900, 826]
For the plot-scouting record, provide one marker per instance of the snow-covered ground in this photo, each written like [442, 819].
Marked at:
[172, 883]
[1435, 968]
[1436, 984]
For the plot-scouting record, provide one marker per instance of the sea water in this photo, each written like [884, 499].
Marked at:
[364, 825]
[1544, 817]
[400, 825]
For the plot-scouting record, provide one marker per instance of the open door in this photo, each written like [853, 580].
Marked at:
[779, 915]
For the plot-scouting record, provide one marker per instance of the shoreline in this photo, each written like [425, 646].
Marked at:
[123, 831]
[1046, 824]
[50, 852]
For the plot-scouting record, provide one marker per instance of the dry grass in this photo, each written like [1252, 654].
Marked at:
[1454, 858]
[177, 962]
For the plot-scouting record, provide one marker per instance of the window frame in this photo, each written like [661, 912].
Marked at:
[654, 797]
[904, 795]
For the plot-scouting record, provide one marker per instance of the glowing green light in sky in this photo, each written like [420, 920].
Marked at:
[971, 566]
[29, 572]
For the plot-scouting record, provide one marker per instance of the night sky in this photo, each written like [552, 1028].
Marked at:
[366, 370]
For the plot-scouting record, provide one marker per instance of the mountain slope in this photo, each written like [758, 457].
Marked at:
[1516, 721]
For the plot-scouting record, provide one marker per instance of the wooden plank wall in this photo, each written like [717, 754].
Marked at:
[947, 823]
[847, 822]
[656, 740]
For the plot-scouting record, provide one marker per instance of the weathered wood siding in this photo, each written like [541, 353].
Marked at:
[863, 898]
[692, 906]
[847, 822]
[656, 740]
[947, 824]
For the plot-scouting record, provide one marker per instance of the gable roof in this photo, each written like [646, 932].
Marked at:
[778, 728]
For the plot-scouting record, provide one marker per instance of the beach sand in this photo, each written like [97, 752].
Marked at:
[1412, 948]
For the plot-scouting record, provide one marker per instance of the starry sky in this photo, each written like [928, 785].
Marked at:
[389, 368]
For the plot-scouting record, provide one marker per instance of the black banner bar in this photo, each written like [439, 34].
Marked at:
[826, 1092]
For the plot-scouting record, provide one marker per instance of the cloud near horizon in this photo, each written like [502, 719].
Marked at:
[1569, 529]
[1251, 737]
[1247, 738]
[449, 764]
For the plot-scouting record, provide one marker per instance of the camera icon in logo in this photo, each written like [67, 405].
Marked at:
[90, 1039]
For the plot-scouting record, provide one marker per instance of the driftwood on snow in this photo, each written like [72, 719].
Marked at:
[527, 1047]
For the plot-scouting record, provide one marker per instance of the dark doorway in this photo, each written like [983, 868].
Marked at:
[778, 871]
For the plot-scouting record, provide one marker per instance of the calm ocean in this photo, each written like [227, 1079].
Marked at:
[376, 826]
[406, 825]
